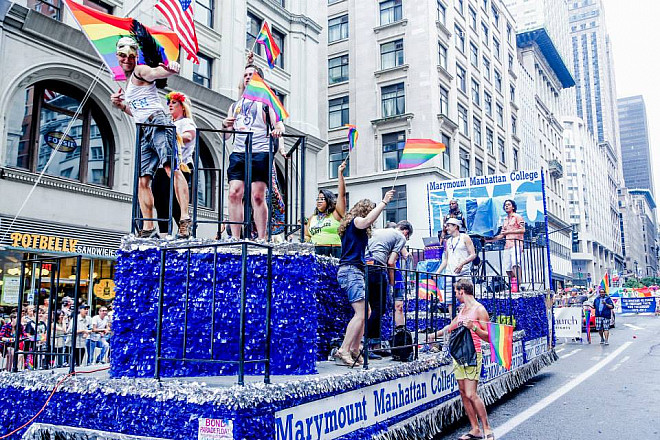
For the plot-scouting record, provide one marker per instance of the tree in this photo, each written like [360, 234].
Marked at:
[650, 281]
[632, 283]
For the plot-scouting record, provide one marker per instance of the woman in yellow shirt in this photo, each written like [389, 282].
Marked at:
[321, 228]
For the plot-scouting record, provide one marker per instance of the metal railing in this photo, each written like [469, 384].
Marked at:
[213, 281]
[293, 187]
[44, 352]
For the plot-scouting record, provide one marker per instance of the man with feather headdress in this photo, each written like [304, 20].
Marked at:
[141, 101]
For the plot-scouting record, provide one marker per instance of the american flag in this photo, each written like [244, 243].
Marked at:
[179, 14]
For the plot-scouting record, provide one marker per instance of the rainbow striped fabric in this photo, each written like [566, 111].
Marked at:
[418, 151]
[104, 30]
[352, 136]
[428, 289]
[500, 337]
[266, 39]
[257, 90]
[605, 283]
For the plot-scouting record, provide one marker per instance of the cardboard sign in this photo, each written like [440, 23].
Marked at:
[568, 322]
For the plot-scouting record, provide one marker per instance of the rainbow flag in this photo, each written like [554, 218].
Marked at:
[104, 30]
[266, 39]
[587, 318]
[418, 151]
[352, 136]
[500, 337]
[605, 283]
[428, 288]
[257, 90]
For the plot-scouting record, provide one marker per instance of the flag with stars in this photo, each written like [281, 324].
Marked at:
[179, 14]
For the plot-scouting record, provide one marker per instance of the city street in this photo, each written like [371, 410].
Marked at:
[593, 391]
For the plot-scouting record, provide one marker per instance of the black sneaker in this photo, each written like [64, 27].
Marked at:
[184, 228]
[149, 233]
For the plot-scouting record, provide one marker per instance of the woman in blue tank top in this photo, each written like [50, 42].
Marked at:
[354, 231]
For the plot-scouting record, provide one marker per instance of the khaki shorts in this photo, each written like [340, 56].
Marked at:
[462, 372]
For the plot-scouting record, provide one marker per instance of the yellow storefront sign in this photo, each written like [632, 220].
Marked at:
[105, 289]
[43, 242]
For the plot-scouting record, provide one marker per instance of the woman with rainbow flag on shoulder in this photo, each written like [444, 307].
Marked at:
[471, 315]
[251, 115]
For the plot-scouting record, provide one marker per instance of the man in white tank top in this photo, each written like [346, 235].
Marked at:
[459, 253]
[141, 101]
[250, 116]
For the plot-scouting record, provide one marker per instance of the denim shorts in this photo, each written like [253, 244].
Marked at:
[156, 144]
[351, 279]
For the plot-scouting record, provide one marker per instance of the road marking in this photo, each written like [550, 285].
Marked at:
[560, 350]
[571, 353]
[502, 430]
[634, 327]
[616, 367]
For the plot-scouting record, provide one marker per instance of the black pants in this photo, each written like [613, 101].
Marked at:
[79, 355]
[160, 187]
[377, 300]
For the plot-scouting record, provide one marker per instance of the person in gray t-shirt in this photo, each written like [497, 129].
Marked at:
[383, 250]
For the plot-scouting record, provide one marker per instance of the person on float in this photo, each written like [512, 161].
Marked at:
[458, 256]
[321, 228]
[141, 101]
[250, 116]
[455, 212]
[513, 233]
[354, 231]
[473, 316]
[180, 109]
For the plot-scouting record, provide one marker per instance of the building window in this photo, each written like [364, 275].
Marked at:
[36, 124]
[49, 8]
[391, 54]
[500, 115]
[337, 153]
[496, 16]
[476, 128]
[338, 112]
[514, 125]
[253, 28]
[509, 33]
[488, 102]
[281, 96]
[496, 48]
[474, 55]
[473, 18]
[442, 13]
[489, 140]
[207, 178]
[397, 209]
[478, 167]
[394, 100]
[491, 171]
[476, 93]
[442, 56]
[202, 71]
[501, 149]
[204, 13]
[510, 62]
[486, 69]
[460, 5]
[512, 93]
[393, 145]
[444, 101]
[338, 69]
[94, 4]
[459, 38]
[390, 11]
[461, 80]
[498, 81]
[464, 162]
[463, 120]
[484, 33]
[279, 40]
[515, 159]
[338, 28]
[446, 157]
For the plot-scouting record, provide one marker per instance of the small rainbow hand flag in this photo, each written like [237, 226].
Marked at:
[605, 283]
[266, 39]
[257, 90]
[104, 30]
[428, 288]
[352, 136]
[418, 151]
[500, 337]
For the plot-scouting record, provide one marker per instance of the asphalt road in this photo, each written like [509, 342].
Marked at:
[573, 399]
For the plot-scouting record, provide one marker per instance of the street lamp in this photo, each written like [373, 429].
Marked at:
[636, 273]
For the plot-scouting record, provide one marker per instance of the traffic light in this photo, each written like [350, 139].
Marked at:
[576, 237]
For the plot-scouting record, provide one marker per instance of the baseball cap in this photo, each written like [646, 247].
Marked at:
[454, 221]
[127, 46]
[83, 306]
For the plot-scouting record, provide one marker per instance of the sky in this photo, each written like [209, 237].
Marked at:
[633, 29]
